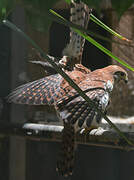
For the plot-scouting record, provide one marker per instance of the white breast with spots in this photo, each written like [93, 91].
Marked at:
[104, 100]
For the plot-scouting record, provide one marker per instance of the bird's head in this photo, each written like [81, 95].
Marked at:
[121, 75]
[118, 73]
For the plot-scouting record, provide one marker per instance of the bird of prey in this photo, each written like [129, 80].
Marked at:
[74, 111]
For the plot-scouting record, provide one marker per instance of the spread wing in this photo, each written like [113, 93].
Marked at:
[43, 91]
[75, 109]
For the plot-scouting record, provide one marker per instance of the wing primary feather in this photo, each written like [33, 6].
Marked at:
[14, 96]
[69, 97]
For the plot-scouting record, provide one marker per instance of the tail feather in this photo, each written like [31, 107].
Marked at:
[66, 163]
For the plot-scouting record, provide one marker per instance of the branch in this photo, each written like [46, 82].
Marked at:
[40, 132]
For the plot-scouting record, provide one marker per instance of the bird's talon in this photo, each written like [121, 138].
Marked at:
[82, 131]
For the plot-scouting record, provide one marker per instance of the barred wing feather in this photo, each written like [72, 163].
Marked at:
[40, 92]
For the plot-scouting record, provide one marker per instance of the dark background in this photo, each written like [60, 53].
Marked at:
[30, 160]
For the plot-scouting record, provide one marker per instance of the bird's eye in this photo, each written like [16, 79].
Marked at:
[122, 73]
[119, 74]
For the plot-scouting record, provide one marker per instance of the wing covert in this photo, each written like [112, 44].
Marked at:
[40, 92]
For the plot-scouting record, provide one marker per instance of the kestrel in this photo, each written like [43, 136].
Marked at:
[74, 111]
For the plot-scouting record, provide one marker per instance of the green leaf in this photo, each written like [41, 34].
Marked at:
[121, 6]
[104, 26]
[5, 7]
[106, 51]
[68, 1]
[91, 40]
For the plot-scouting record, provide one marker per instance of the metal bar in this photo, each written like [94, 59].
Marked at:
[44, 132]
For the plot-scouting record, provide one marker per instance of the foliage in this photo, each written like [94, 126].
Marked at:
[38, 22]
[121, 5]
[91, 40]
[5, 7]
[42, 24]
[68, 1]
